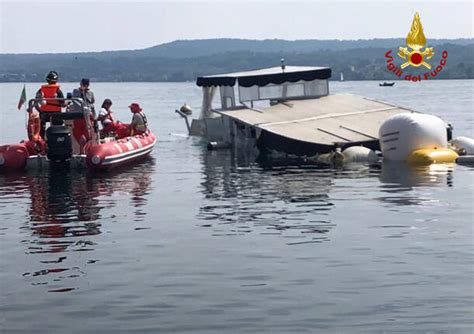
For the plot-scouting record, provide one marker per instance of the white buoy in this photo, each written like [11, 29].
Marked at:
[402, 134]
[359, 154]
[186, 109]
[465, 144]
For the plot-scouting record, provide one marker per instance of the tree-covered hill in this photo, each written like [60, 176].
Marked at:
[185, 60]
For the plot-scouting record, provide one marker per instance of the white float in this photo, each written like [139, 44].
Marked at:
[463, 143]
[359, 154]
[402, 134]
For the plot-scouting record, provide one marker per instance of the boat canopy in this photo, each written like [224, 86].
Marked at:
[263, 77]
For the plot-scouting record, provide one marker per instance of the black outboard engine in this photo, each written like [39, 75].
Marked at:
[59, 145]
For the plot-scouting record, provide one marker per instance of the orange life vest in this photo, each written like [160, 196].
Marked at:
[50, 92]
[34, 127]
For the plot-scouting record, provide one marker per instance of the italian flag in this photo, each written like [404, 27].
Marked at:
[22, 98]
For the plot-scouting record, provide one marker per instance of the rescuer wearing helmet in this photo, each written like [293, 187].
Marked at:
[139, 123]
[48, 93]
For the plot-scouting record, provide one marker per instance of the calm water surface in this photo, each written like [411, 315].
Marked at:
[197, 241]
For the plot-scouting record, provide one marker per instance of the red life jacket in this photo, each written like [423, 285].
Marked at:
[49, 92]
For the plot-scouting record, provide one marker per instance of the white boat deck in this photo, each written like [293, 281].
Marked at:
[337, 118]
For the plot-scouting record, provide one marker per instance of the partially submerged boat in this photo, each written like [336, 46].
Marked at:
[72, 140]
[286, 109]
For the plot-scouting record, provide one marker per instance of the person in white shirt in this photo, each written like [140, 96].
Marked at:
[108, 123]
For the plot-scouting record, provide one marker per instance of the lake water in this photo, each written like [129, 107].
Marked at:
[218, 242]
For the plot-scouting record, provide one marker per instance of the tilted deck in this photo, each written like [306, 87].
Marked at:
[326, 121]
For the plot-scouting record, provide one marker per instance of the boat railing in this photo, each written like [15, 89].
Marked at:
[183, 115]
[67, 115]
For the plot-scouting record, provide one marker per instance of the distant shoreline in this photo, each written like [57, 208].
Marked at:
[182, 61]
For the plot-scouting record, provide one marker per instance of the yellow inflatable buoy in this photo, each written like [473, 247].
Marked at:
[428, 156]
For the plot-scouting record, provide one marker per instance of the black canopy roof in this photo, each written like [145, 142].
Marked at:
[274, 75]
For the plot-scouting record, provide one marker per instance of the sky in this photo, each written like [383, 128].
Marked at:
[87, 25]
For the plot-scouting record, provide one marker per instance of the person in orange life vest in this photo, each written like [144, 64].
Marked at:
[49, 92]
[139, 123]
[108, 122]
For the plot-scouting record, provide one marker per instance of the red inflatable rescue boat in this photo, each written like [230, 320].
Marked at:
[118, 152]
[65, 145]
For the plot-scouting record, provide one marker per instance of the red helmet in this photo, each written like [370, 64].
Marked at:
[135, 107]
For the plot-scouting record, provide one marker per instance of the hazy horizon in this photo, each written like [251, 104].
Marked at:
[115, 25]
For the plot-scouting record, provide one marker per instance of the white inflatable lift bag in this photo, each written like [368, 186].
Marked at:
[360, 154]
[401, 134]
[465, 143]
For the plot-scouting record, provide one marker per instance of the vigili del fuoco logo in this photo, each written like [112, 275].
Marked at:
[415, 55]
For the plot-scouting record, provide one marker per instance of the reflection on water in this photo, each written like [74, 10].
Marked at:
[399, 179]
[406, 175]
[293, 198]
[383, 249]
[64, 214]
[288, 198]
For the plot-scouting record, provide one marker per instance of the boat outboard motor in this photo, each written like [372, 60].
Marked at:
[59, 146]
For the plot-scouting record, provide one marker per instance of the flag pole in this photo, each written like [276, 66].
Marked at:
[21, 102]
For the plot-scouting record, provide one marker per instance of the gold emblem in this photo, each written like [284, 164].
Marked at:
[416, 40]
